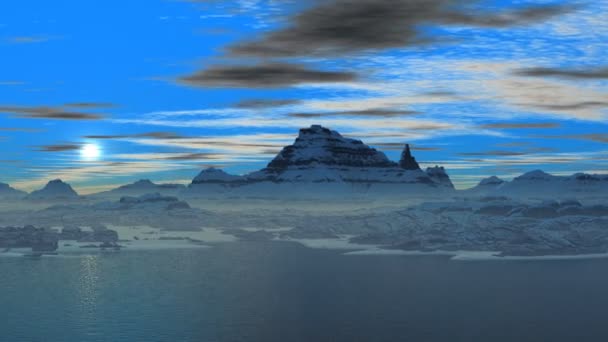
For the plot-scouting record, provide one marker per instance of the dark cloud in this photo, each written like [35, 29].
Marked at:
[90, 105]
[263, 104]
[160, 135]
[58, 113]
[367, 112]
[268, 75]
[338, 27]
[520, 125]
[401, 146]
[59, 148]
[590, 73]
[19, 129]
[596, 137]
[515, 144]
[153, 135]
[570, 106]
[190, 156]
[492, 153]
[106, 137]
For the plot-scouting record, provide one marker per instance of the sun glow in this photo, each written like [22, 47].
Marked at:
[90, 152]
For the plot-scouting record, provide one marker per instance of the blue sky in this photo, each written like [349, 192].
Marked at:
[165, 88]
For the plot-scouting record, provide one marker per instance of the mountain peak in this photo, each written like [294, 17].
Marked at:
[54, 189]
[534, 175]
[491, 181]
[214, 175]
[7, 191]
[320, 146]
[407, 161]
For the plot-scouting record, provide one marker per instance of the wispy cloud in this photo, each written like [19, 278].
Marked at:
[154, 135]
[57, 113]
[59, 148]
[267, 75]
[12, 83]
[597, 72]
[29, 39]
[530, 125]
[596, 137]
[265, 103]
[368, 112]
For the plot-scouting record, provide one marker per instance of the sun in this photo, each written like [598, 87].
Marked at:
[90, 152]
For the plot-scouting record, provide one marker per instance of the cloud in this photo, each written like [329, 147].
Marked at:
[90, 105]
[367, 112]
[520, 125]
[263, 104]
[19, 129]
[154, 135]
[172, 156]
[12, 83]
[59, 148]
[339, 27]
[400, 146]
[266, 75]
[29, 39]
[57, 113]
[492, 153]
[589, 73]
[569, 106]
[495, 82]
[596, 137]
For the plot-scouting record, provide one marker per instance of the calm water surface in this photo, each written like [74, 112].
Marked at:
[285, 292]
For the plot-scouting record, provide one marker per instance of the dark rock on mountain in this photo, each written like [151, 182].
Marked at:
[439, 176]
[407, 161]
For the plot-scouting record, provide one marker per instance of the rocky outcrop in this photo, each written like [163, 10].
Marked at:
[440, 176]
[408, 162]
[38, 239]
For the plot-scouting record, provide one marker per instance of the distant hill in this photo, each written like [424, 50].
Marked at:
[141, 187]
[55, 189]
[540, 184]
[7, 192]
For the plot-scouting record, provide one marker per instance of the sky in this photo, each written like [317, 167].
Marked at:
[103, 93]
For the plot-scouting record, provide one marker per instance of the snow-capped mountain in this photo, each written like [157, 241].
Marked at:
[213, 175]
[142, 187]
[321, 161]
[540, 184]
[6, 191]
[55, 189]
